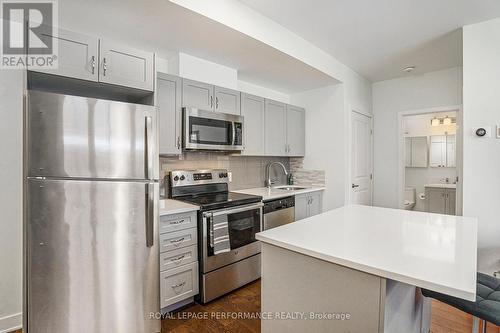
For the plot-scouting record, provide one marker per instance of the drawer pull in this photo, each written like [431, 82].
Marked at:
[178, 285]
[178, 259]
[176, 240]
[177, 222]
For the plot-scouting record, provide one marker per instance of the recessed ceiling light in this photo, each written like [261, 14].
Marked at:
[408, 69]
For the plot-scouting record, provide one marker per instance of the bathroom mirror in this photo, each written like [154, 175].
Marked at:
[416, 152]
[442, 151]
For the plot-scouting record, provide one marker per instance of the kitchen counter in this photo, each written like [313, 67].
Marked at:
[333, 260]
[169, 206]
[274, 193]
[439, 185]
[432, 251]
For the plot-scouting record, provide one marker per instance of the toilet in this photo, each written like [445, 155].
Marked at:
[410, 198]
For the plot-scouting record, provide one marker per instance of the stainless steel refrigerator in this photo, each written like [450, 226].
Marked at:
[91, 189]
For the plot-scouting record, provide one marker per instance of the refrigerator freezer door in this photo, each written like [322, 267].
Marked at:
[89, 268]
[71, 136]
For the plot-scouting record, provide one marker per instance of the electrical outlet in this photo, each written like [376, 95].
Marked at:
[230, 176]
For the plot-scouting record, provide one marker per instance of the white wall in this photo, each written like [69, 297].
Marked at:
[441, 88]
[325, 138]
[481, 170]
[11, 180]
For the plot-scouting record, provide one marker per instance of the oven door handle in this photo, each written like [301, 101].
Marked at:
[236, 210]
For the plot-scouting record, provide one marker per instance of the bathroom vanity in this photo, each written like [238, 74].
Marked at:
[440, 198]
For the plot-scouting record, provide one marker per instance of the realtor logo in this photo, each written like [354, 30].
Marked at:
[29, 36]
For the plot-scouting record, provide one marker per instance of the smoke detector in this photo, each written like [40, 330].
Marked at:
[409, 69]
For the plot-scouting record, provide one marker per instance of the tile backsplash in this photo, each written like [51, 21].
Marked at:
[247, 171]
[306, 177]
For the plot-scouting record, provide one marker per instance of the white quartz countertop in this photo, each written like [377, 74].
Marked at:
[432, 251]
[439, 185]
[169, 206]
[274, 193]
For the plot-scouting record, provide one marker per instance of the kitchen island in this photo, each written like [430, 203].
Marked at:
[358, 269]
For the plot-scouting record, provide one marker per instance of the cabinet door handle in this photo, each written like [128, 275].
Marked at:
[177, 222]
[216, 102]
[178, 142]
[178, 259]
[104, 67]
[211, 101]
[92, 63]
[179, 285]
[177, 240]
[354, 185]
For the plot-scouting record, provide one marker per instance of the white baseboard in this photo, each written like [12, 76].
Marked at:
[11, 323]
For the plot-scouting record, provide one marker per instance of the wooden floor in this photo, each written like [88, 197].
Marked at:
[445, 319]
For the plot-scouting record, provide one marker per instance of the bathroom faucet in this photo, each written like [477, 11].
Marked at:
[269, 181]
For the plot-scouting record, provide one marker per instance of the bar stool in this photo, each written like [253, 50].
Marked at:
[487, 304]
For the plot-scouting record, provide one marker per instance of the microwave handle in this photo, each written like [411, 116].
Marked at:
[234, 133]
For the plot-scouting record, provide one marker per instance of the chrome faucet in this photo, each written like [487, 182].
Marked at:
[269, 181]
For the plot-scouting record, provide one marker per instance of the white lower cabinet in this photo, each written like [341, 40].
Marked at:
[179, 283]
[308, 204]
[179, 280]
[440, 200]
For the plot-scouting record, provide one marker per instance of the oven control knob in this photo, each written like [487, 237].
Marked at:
[182, 177]
[221, 175]
[176, 178]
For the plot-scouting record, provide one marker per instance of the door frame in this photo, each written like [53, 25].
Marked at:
[459, 150]
[348, 192]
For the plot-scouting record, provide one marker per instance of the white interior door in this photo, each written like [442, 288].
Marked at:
[361, 155]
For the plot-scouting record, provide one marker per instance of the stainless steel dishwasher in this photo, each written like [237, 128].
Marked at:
[279, 212]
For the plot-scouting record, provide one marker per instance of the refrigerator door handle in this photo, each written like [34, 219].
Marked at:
[150, 204]
[148, 158]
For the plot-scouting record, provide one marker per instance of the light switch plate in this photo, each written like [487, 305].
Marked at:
[230, 176]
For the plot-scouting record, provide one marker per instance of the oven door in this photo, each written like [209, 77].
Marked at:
[243, 223]
[208, 130]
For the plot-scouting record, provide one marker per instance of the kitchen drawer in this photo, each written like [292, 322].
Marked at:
[178, 284]
[178, 239]
[179, 257]
[175, 222]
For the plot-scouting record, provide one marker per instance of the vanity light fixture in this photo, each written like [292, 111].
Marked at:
[447, 121]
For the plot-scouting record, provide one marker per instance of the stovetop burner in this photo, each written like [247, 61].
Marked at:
[213, 201]
[207, 189]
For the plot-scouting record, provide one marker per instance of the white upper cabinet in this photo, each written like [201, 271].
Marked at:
[227, 100]
[89, 58]
[169, 94]
[416, 152]
[295, 131]
[253, 110]
[125, 66]
[198, 95]
[275, 128]
[442, 151]
[450, 151]
[77, 55]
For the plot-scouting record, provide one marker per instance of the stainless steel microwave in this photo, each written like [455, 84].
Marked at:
[210, 130]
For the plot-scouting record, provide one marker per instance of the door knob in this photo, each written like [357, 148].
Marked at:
[354, 185]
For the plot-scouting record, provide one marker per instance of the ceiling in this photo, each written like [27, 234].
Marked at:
[165, 28]
[379, 38]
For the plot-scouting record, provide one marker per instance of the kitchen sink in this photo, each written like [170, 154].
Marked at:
[290, 188]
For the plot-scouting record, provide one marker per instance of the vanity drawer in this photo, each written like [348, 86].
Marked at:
[178, 284]
[174, 222]
[179, 257]
[178, 239]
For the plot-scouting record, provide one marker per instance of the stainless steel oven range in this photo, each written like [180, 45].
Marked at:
[227, 224]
